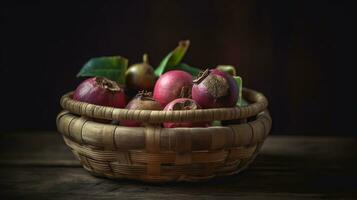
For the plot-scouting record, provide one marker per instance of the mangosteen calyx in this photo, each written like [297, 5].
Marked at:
[217, 86]
[186, 105]
[107, 84]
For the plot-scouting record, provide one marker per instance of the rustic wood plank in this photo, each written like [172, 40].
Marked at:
[40, 166]
[74, 183]
[48, 148]
[38, 148]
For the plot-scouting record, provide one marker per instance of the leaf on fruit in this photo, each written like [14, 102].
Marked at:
[229, 69]
[173, 58]
[239, 82]
[111, 67]
[243, 103]
[216, 123]
[187, 68]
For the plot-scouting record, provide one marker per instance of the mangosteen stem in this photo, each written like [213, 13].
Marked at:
[184, 43]
[146, 58]
[145, 95]
[201, 76]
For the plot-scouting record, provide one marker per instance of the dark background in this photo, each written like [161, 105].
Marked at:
[298, 53]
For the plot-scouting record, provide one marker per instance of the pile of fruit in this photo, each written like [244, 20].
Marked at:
[173, 85]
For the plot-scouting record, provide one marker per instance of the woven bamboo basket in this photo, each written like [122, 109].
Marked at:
[156, 154]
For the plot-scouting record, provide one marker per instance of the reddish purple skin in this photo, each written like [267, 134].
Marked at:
[169, 86]
[130, 123]
[169, 107]
[201, 95]
[91, 92]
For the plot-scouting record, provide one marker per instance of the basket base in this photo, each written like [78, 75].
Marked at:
[231, 168]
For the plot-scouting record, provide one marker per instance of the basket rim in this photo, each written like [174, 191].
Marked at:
[259, 103]
[111, 136]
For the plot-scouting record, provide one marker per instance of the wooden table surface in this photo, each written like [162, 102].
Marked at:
[40, 166]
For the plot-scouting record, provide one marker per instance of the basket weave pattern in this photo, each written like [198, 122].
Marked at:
[156, 154]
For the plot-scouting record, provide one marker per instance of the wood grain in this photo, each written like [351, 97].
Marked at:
[40, 166]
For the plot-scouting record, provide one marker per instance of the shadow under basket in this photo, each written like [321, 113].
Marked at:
[156, 154]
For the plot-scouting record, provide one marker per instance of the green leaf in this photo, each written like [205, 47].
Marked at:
[185, 67]
[216, 123]
[244, 103]
[228, 69]
[111, 67]
[239, 82]
[173, 58]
